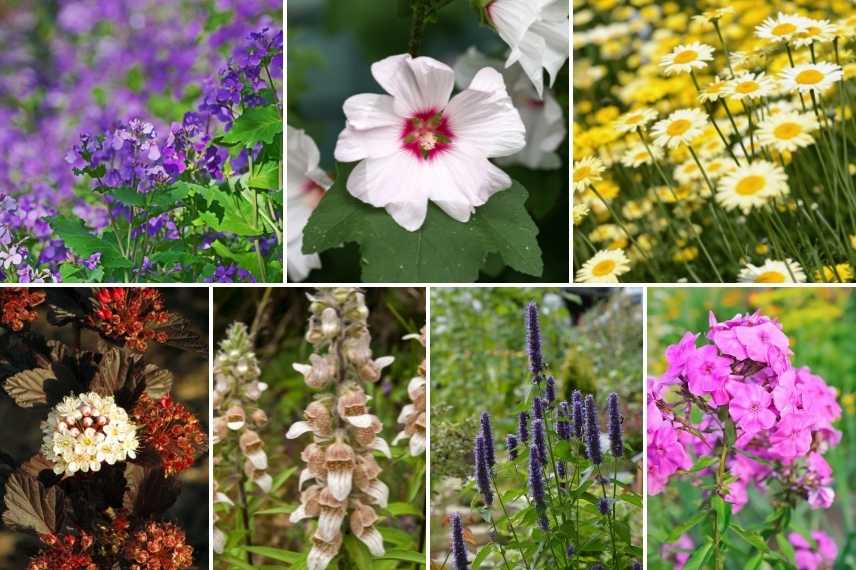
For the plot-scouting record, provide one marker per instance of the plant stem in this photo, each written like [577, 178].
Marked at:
[510, 525]
[245, 511]
[417, 26]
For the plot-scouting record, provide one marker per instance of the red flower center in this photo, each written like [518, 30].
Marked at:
[427, 134]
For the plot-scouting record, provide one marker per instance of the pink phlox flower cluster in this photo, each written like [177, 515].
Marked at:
[783, 416]
[820, 556]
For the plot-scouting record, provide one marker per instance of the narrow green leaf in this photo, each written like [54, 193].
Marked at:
[358, 553]
[402, 509]
[723, 512]
[699, 557]
[274, 553]
[482, 554]
[687, 525]
[405, 555]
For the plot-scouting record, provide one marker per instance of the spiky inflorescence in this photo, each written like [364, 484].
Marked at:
[560, 469]
[413, 416]
[459, 548]
[17, 306]
[523, 427]
[550, 390]
[171, 430]
[592, 432]
[340, 460]
[603, 505]
[536, 487]
[533, 341]
[129, 316]
[158, 545]
[616, 443]
[578, 416]
[482, 470]
[539, 441]
[538, 408]
[569, 551]
[487, 434]
[511, 446]
[563, 424]
[637, 565]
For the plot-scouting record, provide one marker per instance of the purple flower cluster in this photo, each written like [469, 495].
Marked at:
[487, 434]
[523, 427]
[459, 548]
[614, 419]
[592, 432]
[511, 445]
[482, 473]
[533, 342]
[536, 487]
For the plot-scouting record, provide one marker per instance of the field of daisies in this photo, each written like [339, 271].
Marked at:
[141, 140]
[714, 143]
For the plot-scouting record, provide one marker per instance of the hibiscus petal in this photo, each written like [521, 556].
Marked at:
[418, 85]
[394, 182]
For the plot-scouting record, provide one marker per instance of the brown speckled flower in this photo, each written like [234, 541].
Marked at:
[158, 546]
[129, 316]
[17, 306]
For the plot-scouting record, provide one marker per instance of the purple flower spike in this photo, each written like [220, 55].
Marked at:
[536, 487]
[459, 549]
[563, 426]
[523, 427]
[592, 432]
[511, 446]
[550, 390]
[538, 440]
[603, 506]
[578, 417]
[533, 341]
[487, 434]
[482, 472]
[560, 469]
[616, 442]
[538, 408]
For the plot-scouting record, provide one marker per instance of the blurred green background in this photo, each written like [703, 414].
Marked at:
[592, 340]
[394, 313]
[821, 323]
[331, 46]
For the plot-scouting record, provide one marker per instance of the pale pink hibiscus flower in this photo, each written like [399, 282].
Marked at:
[416, 144]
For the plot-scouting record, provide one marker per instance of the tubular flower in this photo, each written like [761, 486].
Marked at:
[158, 545]
[84, 431]
[487, 434]
[533, 340]
[592, 432]
[412, 415]
[171, 430]
[536, 487]
[339, 461]
[482, 471]
[17, 306]
[458, 547]
[129, 316]
[616, 443]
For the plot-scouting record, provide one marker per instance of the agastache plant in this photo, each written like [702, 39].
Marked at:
[340, 462]
[240, 455]
[738, 412]
[114, 443]
[571, 498]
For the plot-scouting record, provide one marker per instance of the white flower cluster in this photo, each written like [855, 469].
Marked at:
[86, 430]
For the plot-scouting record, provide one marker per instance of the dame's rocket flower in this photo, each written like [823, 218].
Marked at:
[417, 145]
[306, 183]
[538, 33]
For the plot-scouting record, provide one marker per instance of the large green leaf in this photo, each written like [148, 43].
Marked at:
[78, 239]
[442, 250]
[256, 125]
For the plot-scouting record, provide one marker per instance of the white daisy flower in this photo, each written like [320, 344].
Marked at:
[750, 86]
[781, 28]
[681, 127]
[815, 31]
[416, 144]
[806, 77]
[586, 172]
[605, 266]
[638, 155]
[787, 131]
[685, 58]
[306, 184]
[538, 33]
[635, 119]
[771, 271]
[752, 186]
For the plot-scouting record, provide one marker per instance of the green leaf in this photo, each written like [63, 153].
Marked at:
[256, 125]
[245, 260]
[358, 553]
[229, 212]
[406, 555]
[699, 557]
[755, 562]
[722, 510]
[686, 526]
[485, 551]
[752, 538]
[274, 553]
[167, 198]
[442, 250]
[402, 509]
[704, 462]
[127, 196]
[265, 176]
[78, 239]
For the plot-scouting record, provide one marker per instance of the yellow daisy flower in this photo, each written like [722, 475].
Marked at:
[685, 58]
[771, 271]
[814, 31]
[787, 132]
[586, 172]
[840, 273]
[636, 119]
[782, 28]
[605, 266]
[638, 155]
[751, 186]
[806, 77]
[750, 86]
[681, 126]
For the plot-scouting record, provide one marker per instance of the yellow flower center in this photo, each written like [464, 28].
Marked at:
[633, 119]
[784, 29]
[678, 127]
[603, 268]
[745, 87]
[642, 156]
[787, 131]
[750, 185]
[809, 77]
[770, 277]
[686, 56]
[581, 173]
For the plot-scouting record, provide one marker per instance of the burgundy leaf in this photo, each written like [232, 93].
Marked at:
[29, 504]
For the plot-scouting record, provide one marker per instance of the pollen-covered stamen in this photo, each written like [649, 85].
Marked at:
[427, 133]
